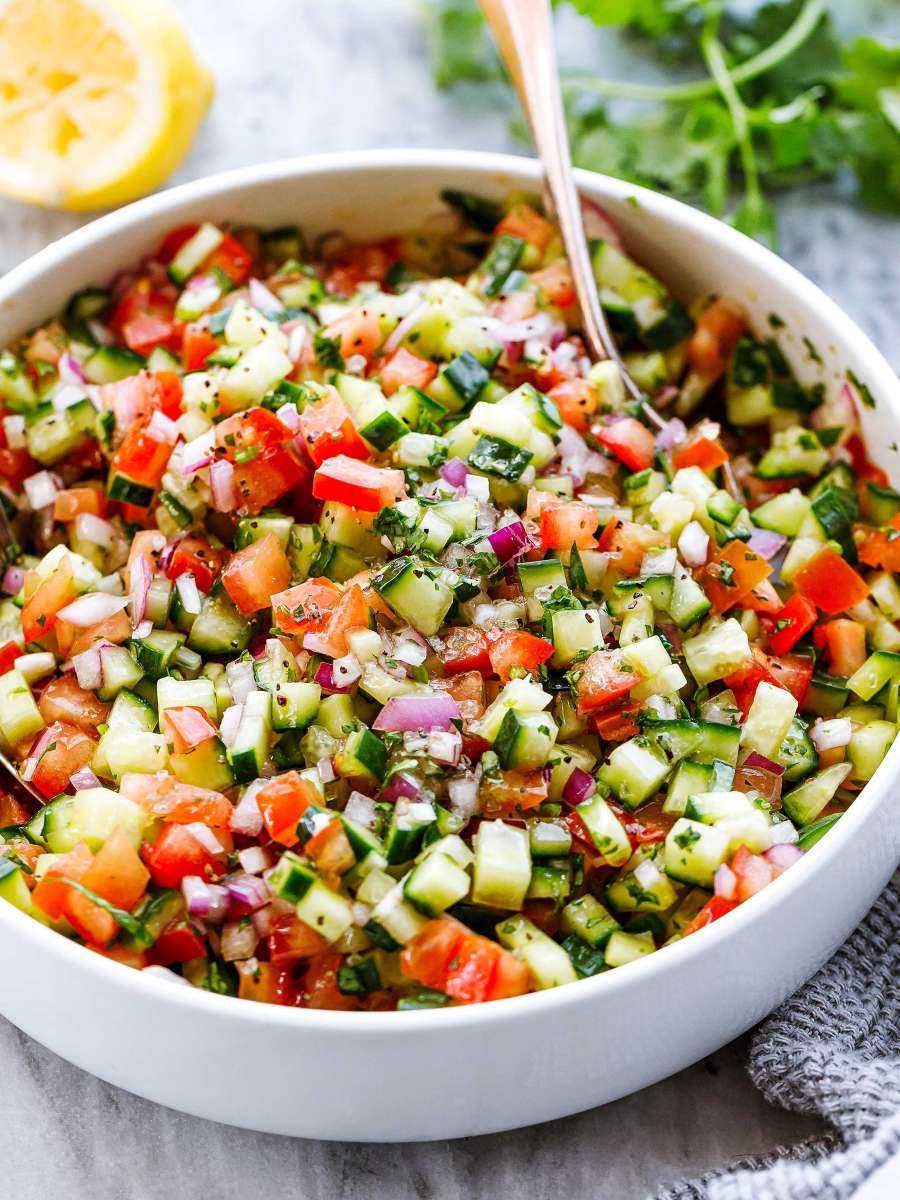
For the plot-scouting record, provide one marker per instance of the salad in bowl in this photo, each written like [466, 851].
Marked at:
[371, 649]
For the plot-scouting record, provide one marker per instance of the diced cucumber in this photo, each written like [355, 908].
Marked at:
[868, 745]
[502, 867]
[547, 961]
[769, 719]
[589, 920]
[250, 748]
[878, 669]
[525, 739]
[694, 851]
[689, 777]
[606, 830]
[194, 251]
[20, 717]
[804, 803]
[435, 884]
[205, 766]
[419, 599]
[134, 751]
[644, 889]
[624, 948]
[634, 772]
[90, 816]
[219, 628]
[783, 514]
[716, 651]
[576, 630]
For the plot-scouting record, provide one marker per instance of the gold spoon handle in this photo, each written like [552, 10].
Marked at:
[523, 31]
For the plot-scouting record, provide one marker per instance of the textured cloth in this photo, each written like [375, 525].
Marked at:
[833, 1049]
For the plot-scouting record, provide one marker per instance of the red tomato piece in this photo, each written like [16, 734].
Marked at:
[358, 331]
[467, 689]
[117, 873]
[178, 943]
[292, 939]
[282, 802]
[465, 649]
[577, 401]
[555, 283]
[791, 622]
[846, 642]
[753, 873]
[792, 672]
[83, 499]
[320, 987]
[168, 799]
[471, 970]
[718, 329]
[711, 911]
[231, 258]
[699, 451]
[358, 484]
[327, 430]
[350, 612]
[174, 240]
[144, 332]
[142, 457]
[882, 549]
[260, 447]
[197, 344]
[195, 554]
[602, 680]
[54, 593]
[9, 652]
[730, 576]
[627, 542]
[567, 525]
[747, 679]
[631, 442]
[511, 978]
[63, 700]
[176, 853]
[618, 724]
[186, 727]
[428, 956]
[255, 573]
[830, 583]
[68, 750]
[405, 369]
[523, 222]
[513, 791]
[516, 648]
[762, 598]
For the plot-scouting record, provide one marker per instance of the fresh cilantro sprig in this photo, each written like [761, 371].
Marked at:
[778, 101]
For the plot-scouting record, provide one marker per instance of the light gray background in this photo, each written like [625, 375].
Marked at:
[303, 76]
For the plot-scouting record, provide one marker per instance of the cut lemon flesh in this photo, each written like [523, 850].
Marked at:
[99, 99]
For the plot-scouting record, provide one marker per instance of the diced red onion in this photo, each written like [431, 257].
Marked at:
[445, 746]
[162, 428]
[222, 486]
[262, 298]
[139, 579]
[658, 562]
[830, 735]
[671, 434]
[454, 470]
[579, 786]
[755, 759]
[91, 528]
[732, 486]
[228, 726]
[510, 542]
[92, 608]
[289, 416]
[88, 669]
[246, 818]
[85, 778]
[41, 744]
[407, 325]
[417, 712]
[255, 859]
[463, 794]
[13, 580]
[67, 394]
[28, 768]
[205, 837]
[346, 670]
[766, 542]
[239, 940]
[248, 890]
[239, 674]
[199, 452]
[14, 431]
[725, 882]
[399, 786]
[202, 899]
[478, 487]
[298, 340]
[325, 768]
[693, 544]
[599, 224]
[70, 369]
[144, 629]
[188, 592]
[41, 489]
[324, 677]
[783, 833]
[361, 809]
[783, 854]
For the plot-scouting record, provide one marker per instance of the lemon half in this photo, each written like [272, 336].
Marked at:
[99, 99]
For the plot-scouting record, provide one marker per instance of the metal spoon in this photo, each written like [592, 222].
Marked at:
[523, 31]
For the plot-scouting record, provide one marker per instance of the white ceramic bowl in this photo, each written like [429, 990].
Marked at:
[420, 1075]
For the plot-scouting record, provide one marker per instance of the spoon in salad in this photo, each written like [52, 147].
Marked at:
[523, 32]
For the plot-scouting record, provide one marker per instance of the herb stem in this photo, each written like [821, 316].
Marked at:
[714, 55]
[789, 42]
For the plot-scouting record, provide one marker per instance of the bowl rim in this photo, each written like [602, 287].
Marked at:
[610, 985]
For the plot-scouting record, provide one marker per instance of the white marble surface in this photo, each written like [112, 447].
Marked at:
[301, 76]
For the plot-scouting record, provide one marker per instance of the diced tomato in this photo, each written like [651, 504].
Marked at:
[512, 791]
[145, 332]
[515, 306]
[618, 724]
[428, 955]
[513, 648]
[718, 329]
[68, 750]
[792, 672]
[882, 549]
[555, 283]
[255, 573]
[602, 680]
[471, 971]
[358, 331]
[753, 873]
[282, 802]
[327, 430]
[320, 989]
[711, 911]
[465, 649]
[13, 812]
[9, 652]
[266, 983]
[699, 451]
[846, 642]
[70, 502]
[511, 978]
[261, 448]
[231, 258]
[405, 369]
[523, 222]
[186, 727]
[467, 689]
[865, 470]
[762, 598]
[142, 457]
[631, 442]
[51, 893]
[16, 465]
[447, 956]
[63, 700]
[731, 574]
[174, 240]
[195, 554]
[830, 583]
[260, 483]
[117, 873]
[567, 525]
[178, 943]
[54, 593]
[350, 612]
[292, 939]
[176, 853]
[791, 622]
[330, 850]
[197, 344]
[116, 629]
[577, 401]
[168, 799]
[747, 679]
[358, 484]
[306, 606]
[627, 542]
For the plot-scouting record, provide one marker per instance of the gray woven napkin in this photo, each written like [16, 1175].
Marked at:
[833, 1049]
